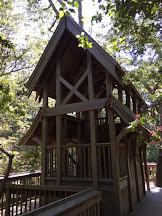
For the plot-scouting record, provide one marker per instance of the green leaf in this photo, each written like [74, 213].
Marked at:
[76, 4]
[72, 10]
[61, 15]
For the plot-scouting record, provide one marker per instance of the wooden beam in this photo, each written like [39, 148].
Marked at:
[142, 171]
[76, 107]
[115, 163]
[145, 167]
[109, 87]
[58, 124]
[127, 99]
[129, 171]
[136, 173]
[44, 138]
[92, 125]
[36, 139]
[120, 93]
[134, 106]
[73, 90]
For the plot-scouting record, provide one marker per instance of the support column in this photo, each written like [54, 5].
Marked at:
[120, 94]
[114, 151]
[136, 172]
[92, 125]
[114, 162]
[127, 97]
[134, 105]
[44, 164]
[58, 124]
[145, 167]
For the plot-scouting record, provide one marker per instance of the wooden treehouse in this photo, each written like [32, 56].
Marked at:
[85, 143]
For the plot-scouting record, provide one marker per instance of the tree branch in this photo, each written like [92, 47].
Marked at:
[7, 171]
[54, 8]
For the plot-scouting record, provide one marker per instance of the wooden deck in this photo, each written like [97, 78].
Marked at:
[151, 204]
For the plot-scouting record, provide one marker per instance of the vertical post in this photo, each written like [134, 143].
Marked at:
[44, 164]
[136, 172]
[92, 124]
[145, 167]
[114, 151]
[109, 87]
[134, 106]
[128, 97]
[8, 202]
[139, 106]
[114, 161]
[129, 178]
[141, 167]
[120, 94]
[58, 124]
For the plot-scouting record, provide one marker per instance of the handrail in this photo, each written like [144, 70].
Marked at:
[23, 178]
[73, 205]
[20, 199]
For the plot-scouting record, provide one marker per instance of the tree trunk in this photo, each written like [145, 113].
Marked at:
[7, 171]
[81, 23]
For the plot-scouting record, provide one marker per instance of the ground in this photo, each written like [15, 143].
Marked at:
[151, 205]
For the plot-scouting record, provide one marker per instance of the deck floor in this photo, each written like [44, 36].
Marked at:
[151, 205]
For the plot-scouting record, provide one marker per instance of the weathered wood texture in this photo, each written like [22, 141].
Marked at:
[20, 199]
[94, 147]
[86, 202]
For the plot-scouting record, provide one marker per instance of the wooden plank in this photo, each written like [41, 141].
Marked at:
[115, 163]
[92, 124]
[75, 87]
[74, 205]
[76, 107]
[73, 90]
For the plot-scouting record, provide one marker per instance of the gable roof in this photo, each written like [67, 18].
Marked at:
[68, 24]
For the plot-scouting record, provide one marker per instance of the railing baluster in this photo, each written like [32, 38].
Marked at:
[25, 200]
[13, 197]
[21, 203]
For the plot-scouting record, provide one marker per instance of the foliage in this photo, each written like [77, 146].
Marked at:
[152, 152]
[16, 110]
[83, 41]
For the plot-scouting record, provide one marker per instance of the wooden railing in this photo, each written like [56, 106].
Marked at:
[104, 161]
[76, 161]
[86, 202]
[20, 199]
[152, 171]
[25, 178]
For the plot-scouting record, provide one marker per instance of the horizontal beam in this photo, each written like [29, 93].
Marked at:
[76, 107]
